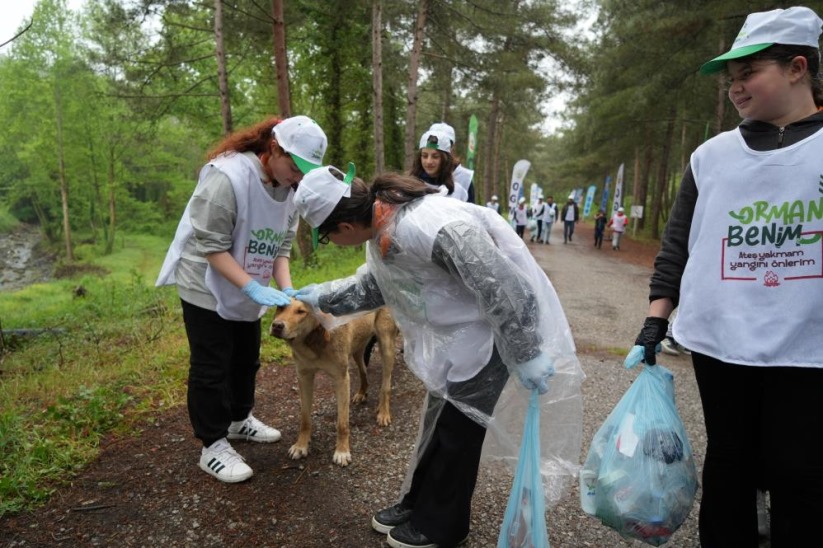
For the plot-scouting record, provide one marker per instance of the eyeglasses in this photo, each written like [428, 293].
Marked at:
[323, 238]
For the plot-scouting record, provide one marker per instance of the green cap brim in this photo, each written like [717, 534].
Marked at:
[302, 164]
[719, 63]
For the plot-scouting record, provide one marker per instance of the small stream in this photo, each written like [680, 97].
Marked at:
[20, 262]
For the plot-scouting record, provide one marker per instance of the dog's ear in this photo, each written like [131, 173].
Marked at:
[318, 338]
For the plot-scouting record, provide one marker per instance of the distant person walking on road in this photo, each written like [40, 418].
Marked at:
[521, 217]
[553, 206]
[618, 224]
[570, 215]
[538, 213]
[599, 228]
[750, 314]
[494, 204]
[549, 215]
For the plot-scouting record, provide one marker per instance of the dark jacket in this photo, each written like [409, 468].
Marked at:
[674, 252]
[566, 208]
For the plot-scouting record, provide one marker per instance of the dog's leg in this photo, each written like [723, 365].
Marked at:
[359, 359]
[386, 339]
[305, 381]
[342, 451]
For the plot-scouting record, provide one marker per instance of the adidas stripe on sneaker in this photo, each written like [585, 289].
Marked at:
[222, 461]
[252, 429]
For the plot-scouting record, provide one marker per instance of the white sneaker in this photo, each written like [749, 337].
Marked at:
[669, 347]
[252, 429]
[222, 461]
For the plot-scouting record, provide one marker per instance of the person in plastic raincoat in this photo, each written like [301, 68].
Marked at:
[473, 306]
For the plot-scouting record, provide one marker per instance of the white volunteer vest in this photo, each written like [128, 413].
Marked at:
[462, 180]
[262, 225]
[752, 289]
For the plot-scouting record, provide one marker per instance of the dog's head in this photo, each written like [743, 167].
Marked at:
[296, 322]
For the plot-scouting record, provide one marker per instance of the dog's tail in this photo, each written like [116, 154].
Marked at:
[368, 350]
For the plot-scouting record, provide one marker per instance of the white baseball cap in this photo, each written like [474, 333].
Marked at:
[620, 210]
[797, 26]
[443, 127]
[494, 198]
[320, 191]
[304, 140]
[436, 140]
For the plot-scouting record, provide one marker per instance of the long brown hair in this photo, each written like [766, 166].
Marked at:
[444, 176]
[256, 138]
[784, 54]
[389, 188]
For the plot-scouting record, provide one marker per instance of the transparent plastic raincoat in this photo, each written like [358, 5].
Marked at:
[460, 283]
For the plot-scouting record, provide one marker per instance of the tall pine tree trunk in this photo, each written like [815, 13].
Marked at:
[662, 174]
[489, 164]
[281, 63]
[61, 170]
[411, 95]
[222, 75]
[377, 85]
[112, 203]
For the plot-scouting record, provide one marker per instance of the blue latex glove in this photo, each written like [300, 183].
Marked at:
[309, 295]
[535, 373]
[265, 296]
[289, 291]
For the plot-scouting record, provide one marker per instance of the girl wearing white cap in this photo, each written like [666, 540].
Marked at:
[742, 257]
[462, 175]
[234, 237]
[433, 164]
[473, 306]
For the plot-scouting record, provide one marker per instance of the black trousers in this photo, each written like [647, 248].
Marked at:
[568, 230]
[765, 429]
[225, 357]
[446, 473]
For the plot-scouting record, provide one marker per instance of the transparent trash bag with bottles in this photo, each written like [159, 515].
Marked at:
[639, 477]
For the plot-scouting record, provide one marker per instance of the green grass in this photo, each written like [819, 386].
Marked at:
[114, 357]
[8, 222]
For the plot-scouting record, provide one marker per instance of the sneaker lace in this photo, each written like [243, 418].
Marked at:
[229, 456]
[251, 426]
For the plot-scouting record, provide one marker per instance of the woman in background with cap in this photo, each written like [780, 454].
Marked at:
[433, 164]
[462, 176]
[741, 255]
[234, 237]
[473, 305]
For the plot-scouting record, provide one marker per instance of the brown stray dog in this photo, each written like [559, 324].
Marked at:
[316, 349]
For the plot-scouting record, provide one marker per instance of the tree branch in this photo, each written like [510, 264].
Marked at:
[19, 34]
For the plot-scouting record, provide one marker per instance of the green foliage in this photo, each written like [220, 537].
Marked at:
[112, 355]
[8, 222]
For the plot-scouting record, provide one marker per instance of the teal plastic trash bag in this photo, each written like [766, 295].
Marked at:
[524, 524]
[639, 477]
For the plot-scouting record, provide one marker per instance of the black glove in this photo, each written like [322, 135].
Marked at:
[653, 332]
